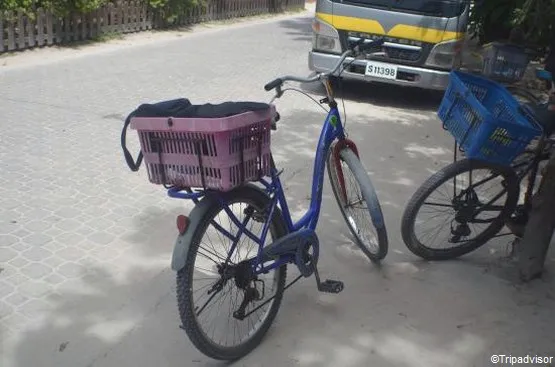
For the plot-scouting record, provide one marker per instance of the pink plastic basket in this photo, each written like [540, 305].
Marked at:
[215, 153]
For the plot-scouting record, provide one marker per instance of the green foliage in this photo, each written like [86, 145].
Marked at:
[15, 5]
[169, 9]
[494, 20]
[58, 7]
[536, 19]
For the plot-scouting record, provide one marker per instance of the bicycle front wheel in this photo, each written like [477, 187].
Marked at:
[464, 197]
[359, 204]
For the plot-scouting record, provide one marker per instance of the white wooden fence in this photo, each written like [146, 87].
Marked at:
[19, 32]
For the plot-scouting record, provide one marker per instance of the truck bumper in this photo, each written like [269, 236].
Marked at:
[408, 76]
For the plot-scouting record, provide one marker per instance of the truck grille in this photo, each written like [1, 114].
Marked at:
[406, 55]
[398, 50]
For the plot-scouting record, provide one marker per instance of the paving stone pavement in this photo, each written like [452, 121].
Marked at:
[73, 218]
[85, 244]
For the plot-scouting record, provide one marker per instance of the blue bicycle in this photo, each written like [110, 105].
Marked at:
[233, 249]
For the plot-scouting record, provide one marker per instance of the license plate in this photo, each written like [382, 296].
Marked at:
[381, 70]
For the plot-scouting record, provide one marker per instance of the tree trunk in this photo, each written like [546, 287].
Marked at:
[540, 227]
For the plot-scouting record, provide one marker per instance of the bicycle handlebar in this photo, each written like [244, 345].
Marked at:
[358, 48]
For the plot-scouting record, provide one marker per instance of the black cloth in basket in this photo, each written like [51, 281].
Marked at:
[183, 108]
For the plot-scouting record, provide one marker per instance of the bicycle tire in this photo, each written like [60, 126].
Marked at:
[278, 228]
[370, 197]
[433, 183]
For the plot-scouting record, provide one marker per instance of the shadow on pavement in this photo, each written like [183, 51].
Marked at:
[115, 315]
[380, 94]
[300, 29]
[88, 320]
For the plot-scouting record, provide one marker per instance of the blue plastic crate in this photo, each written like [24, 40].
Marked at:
[504, 62]
[484, 119]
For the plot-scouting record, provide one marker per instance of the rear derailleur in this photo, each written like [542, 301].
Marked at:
[247, 281]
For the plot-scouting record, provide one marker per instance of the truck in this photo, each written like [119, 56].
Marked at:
[423, 39]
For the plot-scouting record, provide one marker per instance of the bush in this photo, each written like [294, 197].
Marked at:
[58, 7]
[169, 9]
[493, 20]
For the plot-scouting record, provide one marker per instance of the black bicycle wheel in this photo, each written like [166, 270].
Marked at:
[362, 209]
[219, 298]
[460, 207]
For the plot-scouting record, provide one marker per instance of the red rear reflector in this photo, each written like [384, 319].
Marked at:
[182, 224]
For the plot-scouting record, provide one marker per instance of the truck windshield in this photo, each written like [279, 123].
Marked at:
[437, 8]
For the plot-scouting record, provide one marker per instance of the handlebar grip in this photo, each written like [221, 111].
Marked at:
[274, 83]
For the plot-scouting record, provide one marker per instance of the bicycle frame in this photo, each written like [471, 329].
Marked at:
[331, 130]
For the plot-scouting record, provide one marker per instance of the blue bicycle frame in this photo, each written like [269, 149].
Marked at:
[331, 130]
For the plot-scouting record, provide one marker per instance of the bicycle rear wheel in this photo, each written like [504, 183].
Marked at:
[462, 210]
[359, 204]
[216, 280]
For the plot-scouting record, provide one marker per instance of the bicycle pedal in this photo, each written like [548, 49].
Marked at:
[331, 286]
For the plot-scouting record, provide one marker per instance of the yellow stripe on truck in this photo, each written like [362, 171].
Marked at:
[352, 24]
[429, 35]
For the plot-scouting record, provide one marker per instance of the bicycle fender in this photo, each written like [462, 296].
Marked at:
[336, 151]
[183, 242]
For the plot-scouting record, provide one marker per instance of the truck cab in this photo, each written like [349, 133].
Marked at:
[423, 39]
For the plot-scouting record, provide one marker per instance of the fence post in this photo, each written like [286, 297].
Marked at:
[122, 21]
[85, 25]
[130, 16]
[75, 28]
[11, 32]
[1, 33]
[40, 27]
[60, 25]
[147, 16]
[135, 16]
[141, 16]
[133, 6]
[31, 25]
[100, 20]
[67, 28]
[106, 19]
[91, 23]
[112, 24]
[126, 10]
[21, 30]
[49, 28]
[127, 16]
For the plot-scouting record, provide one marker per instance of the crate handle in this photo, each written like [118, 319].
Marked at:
[200, 163]
[474, 120]
[259, 136]
[131, 163]
[448, 115]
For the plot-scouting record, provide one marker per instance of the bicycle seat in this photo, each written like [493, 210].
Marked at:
[544, 116]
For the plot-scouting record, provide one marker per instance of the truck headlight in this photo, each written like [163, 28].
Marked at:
[324, 37]
[445, 54]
